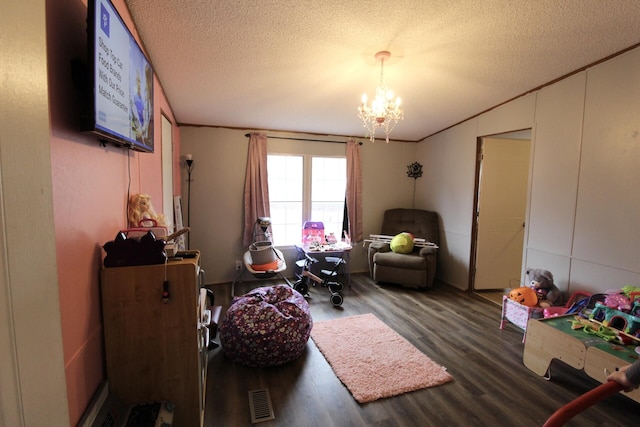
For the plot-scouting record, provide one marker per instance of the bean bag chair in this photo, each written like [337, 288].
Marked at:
[268, 326]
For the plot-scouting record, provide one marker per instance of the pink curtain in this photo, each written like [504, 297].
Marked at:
[354, 191]
[256, 185]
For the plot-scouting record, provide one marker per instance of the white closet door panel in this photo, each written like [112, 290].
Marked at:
[556, 164]
[608, 208]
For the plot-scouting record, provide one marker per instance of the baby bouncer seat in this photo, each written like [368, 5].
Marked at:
[262, 259]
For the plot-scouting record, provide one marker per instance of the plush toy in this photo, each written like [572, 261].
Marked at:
[541, 281]
[140, 209]
[402, 243]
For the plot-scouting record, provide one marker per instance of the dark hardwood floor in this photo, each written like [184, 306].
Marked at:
[456, 329]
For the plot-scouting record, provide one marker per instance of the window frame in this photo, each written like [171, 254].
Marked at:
[307, 150]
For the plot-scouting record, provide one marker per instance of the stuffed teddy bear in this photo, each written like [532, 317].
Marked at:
[541, 281]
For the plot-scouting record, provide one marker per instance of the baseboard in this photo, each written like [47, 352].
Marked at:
[95, 405]
[105, 409]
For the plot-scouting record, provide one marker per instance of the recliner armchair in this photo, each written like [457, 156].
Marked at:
[416, 269]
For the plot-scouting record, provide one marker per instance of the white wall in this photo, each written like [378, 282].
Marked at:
[608, 205]
[32, 378]
[584, 202]
[447, 187]
[217, 190]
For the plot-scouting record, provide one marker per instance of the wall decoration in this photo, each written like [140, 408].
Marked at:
[414, 170]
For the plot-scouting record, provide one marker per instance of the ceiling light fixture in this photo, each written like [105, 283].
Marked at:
[384, 112]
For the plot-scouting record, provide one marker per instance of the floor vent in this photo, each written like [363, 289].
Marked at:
[260, 406]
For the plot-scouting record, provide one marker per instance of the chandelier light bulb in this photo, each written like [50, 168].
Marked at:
[384, 112]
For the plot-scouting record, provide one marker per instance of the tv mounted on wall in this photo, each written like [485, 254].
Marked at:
[121, 81]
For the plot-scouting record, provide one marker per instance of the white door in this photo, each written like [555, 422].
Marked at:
[502, 198]
[167, 170]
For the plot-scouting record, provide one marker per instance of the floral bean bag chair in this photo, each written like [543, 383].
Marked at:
[268, 326]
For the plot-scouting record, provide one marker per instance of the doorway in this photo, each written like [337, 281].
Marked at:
[502, 182]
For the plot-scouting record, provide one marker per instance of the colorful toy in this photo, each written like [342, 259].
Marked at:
[631, 292]
[616, 319]
[313, 234]
[541, 281]
[635, 310]
[618, 302]
[402, 243]
[525, 296]
[578, 301]
[609, 323]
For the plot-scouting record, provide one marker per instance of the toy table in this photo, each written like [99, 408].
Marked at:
[553, 338]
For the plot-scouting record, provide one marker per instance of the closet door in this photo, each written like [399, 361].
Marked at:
[501, 213]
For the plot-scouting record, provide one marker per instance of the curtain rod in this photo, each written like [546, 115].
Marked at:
[303, 139]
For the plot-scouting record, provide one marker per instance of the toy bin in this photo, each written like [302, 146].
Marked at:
[313, 233]
[518, 314]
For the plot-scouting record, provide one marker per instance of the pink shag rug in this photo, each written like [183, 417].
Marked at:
[372, 360]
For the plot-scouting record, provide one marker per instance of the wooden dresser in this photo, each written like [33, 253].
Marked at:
[157, 351]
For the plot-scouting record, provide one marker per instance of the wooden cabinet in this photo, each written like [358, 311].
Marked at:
[155, 350]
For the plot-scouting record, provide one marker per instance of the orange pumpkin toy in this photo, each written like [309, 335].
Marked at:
[525, 296]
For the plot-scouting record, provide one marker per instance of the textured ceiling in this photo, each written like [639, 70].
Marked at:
[301, 65]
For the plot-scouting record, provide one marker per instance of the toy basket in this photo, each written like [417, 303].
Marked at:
[518, 314]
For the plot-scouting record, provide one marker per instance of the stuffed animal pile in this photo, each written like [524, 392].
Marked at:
[541, 281]
[540, 291]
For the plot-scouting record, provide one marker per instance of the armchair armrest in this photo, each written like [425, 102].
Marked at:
[428, 250]
[379, 247]
[374, 248]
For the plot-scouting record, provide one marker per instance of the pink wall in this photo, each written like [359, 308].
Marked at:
[90, 185]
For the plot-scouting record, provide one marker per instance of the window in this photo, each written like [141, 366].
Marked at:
[305, 188]
[286, 197]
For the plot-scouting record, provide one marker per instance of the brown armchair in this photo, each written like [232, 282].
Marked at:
[416, 269]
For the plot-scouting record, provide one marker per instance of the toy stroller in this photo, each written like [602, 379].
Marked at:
[326, 279]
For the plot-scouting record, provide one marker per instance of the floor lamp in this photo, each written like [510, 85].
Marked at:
[189, 166]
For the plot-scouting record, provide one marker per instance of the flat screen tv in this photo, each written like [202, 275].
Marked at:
[121, 81]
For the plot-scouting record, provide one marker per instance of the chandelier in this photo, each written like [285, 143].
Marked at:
[384, 111]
